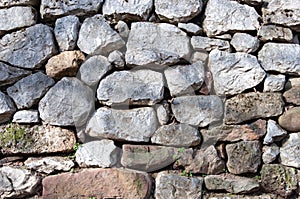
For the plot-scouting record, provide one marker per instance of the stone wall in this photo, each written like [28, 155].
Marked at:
[139, 99]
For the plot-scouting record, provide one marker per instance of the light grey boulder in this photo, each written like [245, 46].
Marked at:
[9, 3]
[190, 28]
[243, 42]
[204, 43]
[270, 153]
[123, 29]
[163, 113]
[274, 132]
[26, 117]
[117, 59]
[7, 108]
[10, 75]
[274, 83]
[200, 55]
[274, 33]
[289, 151]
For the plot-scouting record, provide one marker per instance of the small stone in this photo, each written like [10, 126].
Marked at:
[200, 55]
[49, 165]
[238, 196]
[209, 44]
[101, 153]
[9, 3]
[292, 95]
[123, 29]
[65, 64]
[97, 37]
[117, 59]
[29, 90]
[274, 132]
[66, 32]
[244, 157]
[290, 120]
[198, 110]
[274, 83]
[243, 42]
[7, 108]
[10, 75]
[289, 151]
[190, 28]
[274, 33]
[252, 2]
[163, 113]
[292, 82]
[26, 117]
[249, 106]
[224, 36]
[270, 153]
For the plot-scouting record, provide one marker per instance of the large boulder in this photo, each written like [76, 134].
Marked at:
[290, 119]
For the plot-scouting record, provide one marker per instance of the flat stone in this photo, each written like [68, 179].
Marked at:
[234, 72]
[204, 43]
[198, 110]
[151, 43]
[244, 157]
[123, 29]
[69, 102]
[178, 135]
[117, 59]
[97, 37]
[101, 153]
[98, 183]
[23, 49]
[270, 153]
[26, 117]
[10, 75]
[138, 87]
[190, 28]
[222, 16]
[274, 33]
[292, 95]
[274, 83]
[243, 42]
[171, 186]
[290, 119]
[66, 32]
[50, 164]
[9, 3]
[29, 90]
[239, 196]
[289, 151]
[7, 108]
[231, 183]
[252, 2]
[65, 64]
[249, 106]
[131, 125]
[281, 58]
[38, 139]
[177, 11]
[185, 79]
[274, 132]
[163, 113]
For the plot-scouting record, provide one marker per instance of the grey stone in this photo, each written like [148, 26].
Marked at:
[7, 108]
[163, 113]
[26, 117]
[198, 110]
[190, 28]
[28, 48]
[225, 15]
[131, 125]
[274, 33]
[140, 87]
[251, 2]
[178, 135]
[274, 83]
[290, 152]
[9, 3]
[290, 119]
[226, 36]
[123, 29]
[234, 72]
[177, 11]
[185, 79]
[249, 106]
[208, 44]
[200, 55]
[243, 42]
[101, 153]
[274, 132]
[97, 37]
[292, 94]
[16, 17]
[117, 59]
[270, 153]
[69, 102]
[50, 164]
[66, 32]
[171, 186]
[281, 58]
[292, 82]
[151, 43]
[239, 196]
[244, 157]
[29, 90]
[10, 75]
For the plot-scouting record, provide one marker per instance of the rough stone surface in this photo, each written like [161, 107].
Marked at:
[243, 42]
[28, 48]
[270, 153]
[198, 110]
[281, 58]
[150, 43]
[190, 28]
[274, 83]
[290, 119]
[290, 152]
[132, 125]
[98, 183]
[7, 108]
[163, 113]
[140, 87]
[123, 29]
[225, 15]
[244, 157]
[234, 72]
[9, 3]
[274, 132]
[292, 95]
[275, 33]
[26, 117]
[101, 153]
[10, 75]
[240, 196]
[171, 186]
[208, 44]
[69, 102]
[251, 2]
[249, 106]
[29, 90]
[97, 37]
[117, 59]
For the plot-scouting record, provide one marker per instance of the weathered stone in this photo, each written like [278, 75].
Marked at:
[117, 59]
[270, 153]
[28, 48]
[274, 83]
[7, 108]
[26, 117]
[131, 125]
[17, 182]
[274, 33]
[97, 37]
[244, 157]
[16, 17]
[185, 79]
[190, 28]
[123, 29]
[239, 196]
[274, 132]
[171, 186]
[177, 11]
[249, 106]
[200, 55]
[234, 72]
[243, 42]
[290, 119]
[66, 32]
[251, 2]
[10, 75]
[281, 58]
[98, 183]
[290, 151]
[101, 153]
[65, 64]
[231, 183]
[198, 110]
[178, 135]
[222, 16]
[163, 113]
[151, 43]
[292, 82]
[141, 87]
[208, 44]
[29, 90]
[278, 179]
[292, 95]
[147, 158]
[49, 165]
[9, 3]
